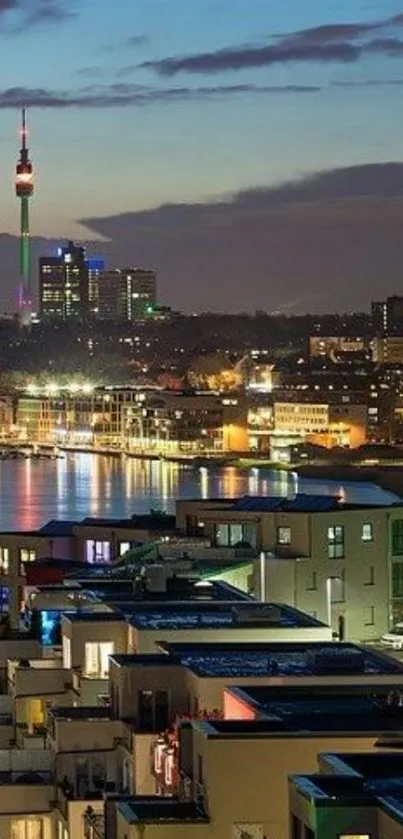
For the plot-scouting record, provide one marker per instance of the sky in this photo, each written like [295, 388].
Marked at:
[135, 105]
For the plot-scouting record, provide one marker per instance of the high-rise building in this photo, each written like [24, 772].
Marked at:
[68, 284]
[126, 294]
[387, 315]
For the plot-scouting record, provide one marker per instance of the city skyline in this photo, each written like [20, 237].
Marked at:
[180, 103]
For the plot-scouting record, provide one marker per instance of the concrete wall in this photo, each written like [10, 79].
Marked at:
[145, 641]
[95, 630]
[251, 785]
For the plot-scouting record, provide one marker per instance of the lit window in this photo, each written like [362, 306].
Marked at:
[27, 555]
[66, 645]
[367, 532]
[98, 551]
[97, 658]
[354, 836]
[4, 560]
[26, 829]
[284, 535]
[335, 542]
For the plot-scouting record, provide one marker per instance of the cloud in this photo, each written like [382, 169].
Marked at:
[20, 15]
[336, 235]
[124, 95]
[335, 43]
[139, 39]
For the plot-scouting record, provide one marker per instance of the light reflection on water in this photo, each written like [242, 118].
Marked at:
[31, 492]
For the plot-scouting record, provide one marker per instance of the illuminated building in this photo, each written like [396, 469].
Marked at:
[126, 295]
[24, 188]
[325, 424]
[387, 316]
[68, 284]
[338, 561]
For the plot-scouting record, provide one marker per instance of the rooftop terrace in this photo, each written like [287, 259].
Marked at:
[217, 615]
[217, 660]
[158, 809]
[300, 503]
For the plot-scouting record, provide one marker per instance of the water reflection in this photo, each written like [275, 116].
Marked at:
[31, 492]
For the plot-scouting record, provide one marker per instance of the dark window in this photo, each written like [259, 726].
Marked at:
[153, 710]
[397, 579]
[296, 828]
[161, 710]
[397, 537]
[309, 834]
[146, 710]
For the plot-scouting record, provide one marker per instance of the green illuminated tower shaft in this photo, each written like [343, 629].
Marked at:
[24, 188]
[25, 246]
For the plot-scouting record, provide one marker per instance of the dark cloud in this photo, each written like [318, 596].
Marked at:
[20, 15]
[333, 239]
[124, 95]
[342, 43]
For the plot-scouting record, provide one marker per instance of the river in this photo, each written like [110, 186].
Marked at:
[79, 485]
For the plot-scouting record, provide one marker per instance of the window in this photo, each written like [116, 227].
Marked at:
[308, 833]
[296, 828]
[397, 537]
[98, 551]
[97, 658]
[27, 829]
[354, 836]
[66, 646]
[312, 584]
[335, 542]
[397, 579]
[4, 560]
[27, 555]
[284, 535]
[123, 547]
[370, 576]
[221, 535]
[367, 534]
[153, 710]
[369, 616]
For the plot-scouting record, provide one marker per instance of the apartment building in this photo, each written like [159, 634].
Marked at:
[325, 424]
[133, 419]
[352, 795]
[339, 562]
[233, 774]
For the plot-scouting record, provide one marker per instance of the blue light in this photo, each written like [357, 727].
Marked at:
[95, 264]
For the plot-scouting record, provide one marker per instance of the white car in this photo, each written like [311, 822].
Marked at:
[393, 638]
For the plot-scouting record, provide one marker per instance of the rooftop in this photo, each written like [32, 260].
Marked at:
[158, 809]
[207, 615]
[82, 712]
[217, 660]
[320, 704]
[300, 503]
[353, 718]
[155, 522]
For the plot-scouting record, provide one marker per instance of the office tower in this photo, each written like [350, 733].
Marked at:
[64, 284]
[24, 188]
[126, 294]
[387, 316]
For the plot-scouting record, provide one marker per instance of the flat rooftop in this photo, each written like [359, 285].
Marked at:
[360, 716]
[91, 712]
[301, 503]
[158, 809]
[217, 615]
[318, 702]
[217, 660]
[155, 523]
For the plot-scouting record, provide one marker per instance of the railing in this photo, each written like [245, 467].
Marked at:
[94, 824]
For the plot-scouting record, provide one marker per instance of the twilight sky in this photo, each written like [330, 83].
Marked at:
[135, 104]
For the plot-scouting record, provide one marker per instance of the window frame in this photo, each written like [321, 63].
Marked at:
[336, 543]
[283, 529]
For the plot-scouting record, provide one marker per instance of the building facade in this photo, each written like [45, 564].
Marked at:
[126, 294]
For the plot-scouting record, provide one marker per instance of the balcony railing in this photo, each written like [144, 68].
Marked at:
[94, 824]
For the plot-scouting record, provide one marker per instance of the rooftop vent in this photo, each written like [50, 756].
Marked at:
[266, 613]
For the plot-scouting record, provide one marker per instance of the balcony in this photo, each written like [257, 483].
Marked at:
[90, 689]
[37, 677]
